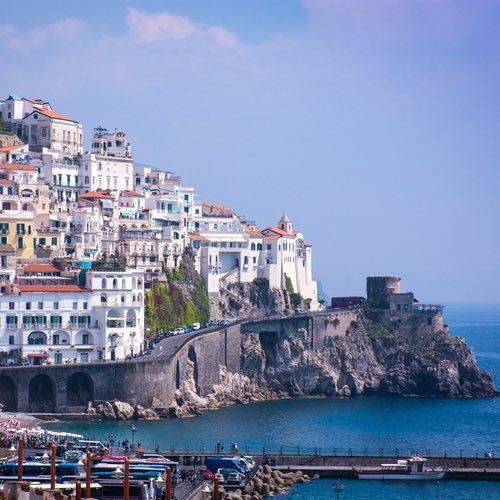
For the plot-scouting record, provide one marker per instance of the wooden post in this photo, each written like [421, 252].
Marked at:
[88, 470]
[216, 488]
[126, 482]
[168, 486]
[53, 466]
[78, 491]
[20, 460]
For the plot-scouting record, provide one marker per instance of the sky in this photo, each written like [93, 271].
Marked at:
[373, 124]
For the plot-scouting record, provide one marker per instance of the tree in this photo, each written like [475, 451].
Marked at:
[296, 299]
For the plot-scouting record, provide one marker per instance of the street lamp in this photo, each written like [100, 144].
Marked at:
[133, 430]
[118, 473]
[338, 488]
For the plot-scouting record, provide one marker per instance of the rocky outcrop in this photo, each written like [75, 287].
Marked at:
[372, 358]
[246, 300]
[7, 140]
[118, 410]
[404, 357]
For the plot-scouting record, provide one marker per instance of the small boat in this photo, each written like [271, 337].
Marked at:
[409, 469]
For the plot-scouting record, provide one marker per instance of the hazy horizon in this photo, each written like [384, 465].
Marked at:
[374, 125]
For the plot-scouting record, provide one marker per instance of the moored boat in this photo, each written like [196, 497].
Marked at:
[412, 468]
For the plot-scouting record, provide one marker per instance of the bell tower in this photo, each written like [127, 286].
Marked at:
[285, 224]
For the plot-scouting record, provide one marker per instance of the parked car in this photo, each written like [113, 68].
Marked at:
[179, 331]
[196, 326]
[235, 477]
[300, 311]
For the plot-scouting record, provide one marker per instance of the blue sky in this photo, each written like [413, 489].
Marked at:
[373, 124]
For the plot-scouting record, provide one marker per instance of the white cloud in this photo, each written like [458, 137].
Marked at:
[147, 28]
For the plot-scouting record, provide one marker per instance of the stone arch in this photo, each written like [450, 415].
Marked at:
[37, 338]
[131, 319]
[177, 376]
[192, 357]
[8, 393]
[42, 395]
[79, 389]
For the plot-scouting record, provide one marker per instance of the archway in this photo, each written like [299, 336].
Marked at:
[177, 376]
[192, 357]
[8, 396]
[41, 394]
[79, 389]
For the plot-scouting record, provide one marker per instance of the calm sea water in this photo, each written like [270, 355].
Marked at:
[373, 423]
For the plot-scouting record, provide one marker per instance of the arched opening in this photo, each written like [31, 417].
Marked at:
[177, 376]
[131, 319]
[8, 396]
[79, 389]
[37, 338]
[194, 360]
[41, 394]
[115, 319]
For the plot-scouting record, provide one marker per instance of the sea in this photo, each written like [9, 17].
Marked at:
[370, 425]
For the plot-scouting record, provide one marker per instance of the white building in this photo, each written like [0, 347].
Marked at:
[69, 323]
[109, 165]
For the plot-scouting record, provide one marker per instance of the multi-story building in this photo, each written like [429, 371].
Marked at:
[49, 317]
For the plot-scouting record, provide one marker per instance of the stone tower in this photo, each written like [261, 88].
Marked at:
[285, 224]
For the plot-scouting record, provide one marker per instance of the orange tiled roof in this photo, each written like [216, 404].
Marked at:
[254, 232]
[51, 288]
[7, 181]
[132, 193]
[18, 166]
[52, 114]
[96, 194]
[279, 231]
[40, 268]
[216, 210]
[197, 237]
[6, 149]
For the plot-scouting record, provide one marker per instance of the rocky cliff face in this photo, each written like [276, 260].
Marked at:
[406, 357]
[246, 300]
[372, 358]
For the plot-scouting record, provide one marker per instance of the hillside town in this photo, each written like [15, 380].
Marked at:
[85, 233]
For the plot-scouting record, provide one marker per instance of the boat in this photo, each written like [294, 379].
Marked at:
[412, 468]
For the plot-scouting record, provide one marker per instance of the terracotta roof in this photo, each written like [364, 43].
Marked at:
[271, 236]
[216, 210]
[197, 237]
[18, 166]
[52, 114]
[6, 149]
[51, 288]
[40, 268]
[96, 194]
[34, 101]
[132, 193]
[7, 248]
[7, 181]
[254, 232]
[279, 231]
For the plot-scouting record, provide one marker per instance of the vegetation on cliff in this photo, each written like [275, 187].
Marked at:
[181, 300]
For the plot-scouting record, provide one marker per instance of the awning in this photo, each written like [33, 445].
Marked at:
[38, 355]
[229, 238]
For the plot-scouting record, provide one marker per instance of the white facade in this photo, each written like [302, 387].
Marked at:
[73, 324]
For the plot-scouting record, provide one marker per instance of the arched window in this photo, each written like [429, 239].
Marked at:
[124, 283]
[139, 298]
[252, 246]
[104, 284]
[139, 282]
[123, 299]
[104, 298]
[134, 282]
[115, 284]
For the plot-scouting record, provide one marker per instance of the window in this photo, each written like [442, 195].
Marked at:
[28, 306]
[268, 246]
[20, 242]
[40, 305]
[35, 116]
[11, 339]
[56, 305]
[75, 305]
[255, 260]
[55, 339]
[54, 242]
[58, 358]
[405, 307]
[84, 357]
[85, 339]
[11, 321]
[11, 306]
[85, 305]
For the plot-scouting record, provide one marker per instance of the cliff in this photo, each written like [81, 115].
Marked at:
[375, 354]
[248, 300]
